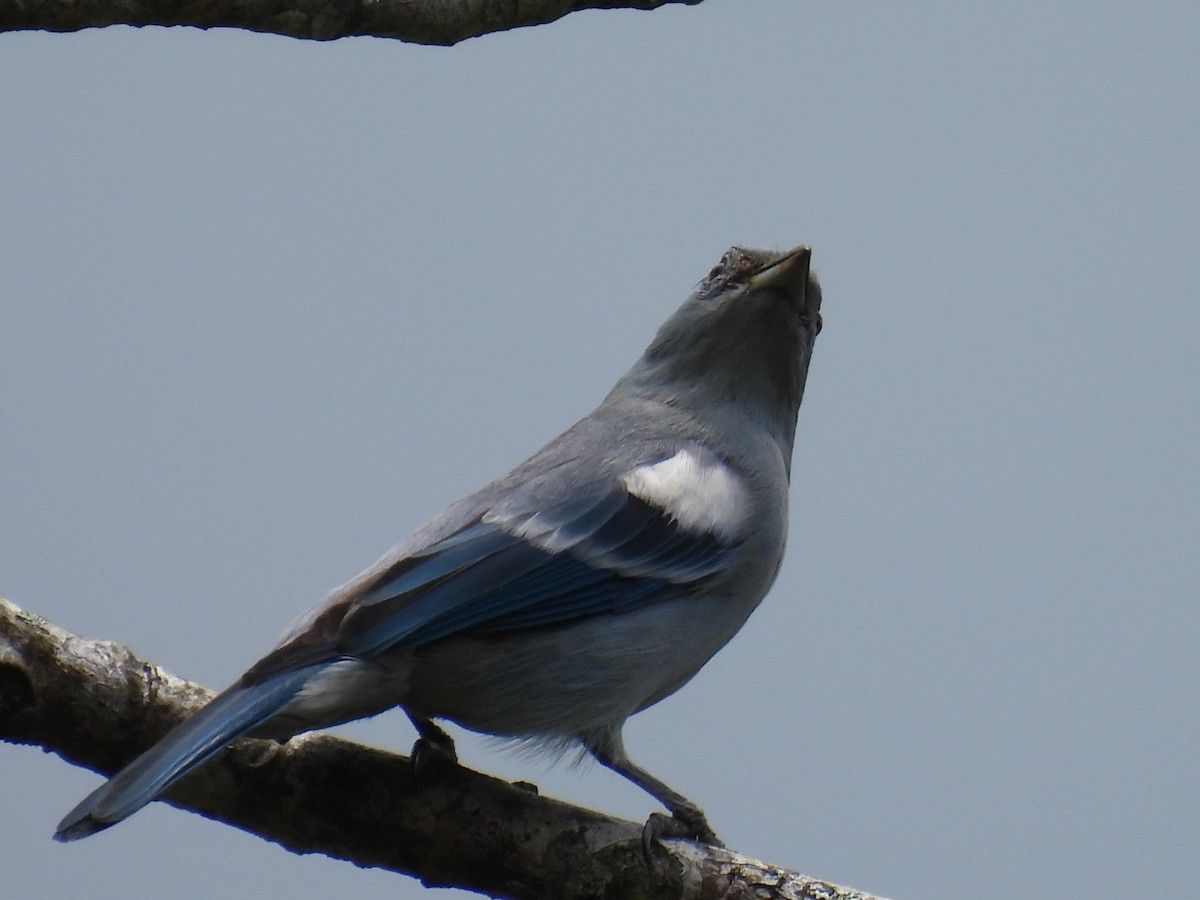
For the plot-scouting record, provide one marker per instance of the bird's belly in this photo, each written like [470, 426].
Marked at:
[571, 680]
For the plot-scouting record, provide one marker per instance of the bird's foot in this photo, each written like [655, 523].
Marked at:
[685, 821]
[433, 748]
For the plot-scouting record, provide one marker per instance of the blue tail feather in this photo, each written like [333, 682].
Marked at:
[229, 716]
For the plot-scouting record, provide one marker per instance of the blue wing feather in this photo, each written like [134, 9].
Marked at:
[455, 553]
[617, 552]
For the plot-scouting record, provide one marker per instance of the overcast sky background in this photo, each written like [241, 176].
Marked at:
[266, 305]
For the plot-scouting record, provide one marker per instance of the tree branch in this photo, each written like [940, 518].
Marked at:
[443, 22]
[97, 705]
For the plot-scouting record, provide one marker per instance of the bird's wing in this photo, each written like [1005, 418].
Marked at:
[661, 530]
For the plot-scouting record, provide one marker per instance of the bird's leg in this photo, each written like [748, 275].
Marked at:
[432, 743]
[686, 819]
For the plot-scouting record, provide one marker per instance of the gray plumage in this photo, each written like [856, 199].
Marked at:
[588, 583]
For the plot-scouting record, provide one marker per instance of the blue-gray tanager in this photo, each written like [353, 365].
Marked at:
[587, 584]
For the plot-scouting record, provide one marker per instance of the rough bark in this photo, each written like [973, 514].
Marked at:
[97, 705]
[443, 22]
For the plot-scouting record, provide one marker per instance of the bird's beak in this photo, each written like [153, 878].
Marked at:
[789, 272]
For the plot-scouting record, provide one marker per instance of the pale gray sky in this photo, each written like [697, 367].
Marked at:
[268, 304]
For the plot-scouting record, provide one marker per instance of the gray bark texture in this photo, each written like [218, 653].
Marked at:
[443, 22]
[97, 705]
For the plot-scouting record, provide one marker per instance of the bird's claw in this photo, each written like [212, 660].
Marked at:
[432, 748]
[684, 822]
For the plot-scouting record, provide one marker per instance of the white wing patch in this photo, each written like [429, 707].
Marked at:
[542, 534]
[700, 496]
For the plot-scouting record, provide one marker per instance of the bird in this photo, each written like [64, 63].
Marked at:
[587, 584]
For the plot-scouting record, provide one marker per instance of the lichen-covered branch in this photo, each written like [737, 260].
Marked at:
[97, 705]
[417, 21]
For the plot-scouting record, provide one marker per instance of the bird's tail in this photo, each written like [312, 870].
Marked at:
[227, 717]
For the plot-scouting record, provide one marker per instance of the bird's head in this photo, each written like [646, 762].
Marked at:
[744, 337]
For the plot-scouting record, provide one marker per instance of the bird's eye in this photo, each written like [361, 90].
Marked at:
[728, 261]
[721, 270]
[735, 266]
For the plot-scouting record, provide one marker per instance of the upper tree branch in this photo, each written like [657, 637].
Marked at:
[97, 705]
[417, 21]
